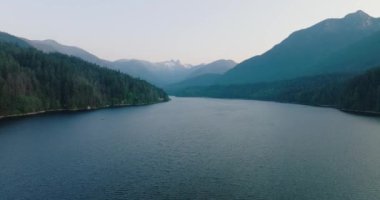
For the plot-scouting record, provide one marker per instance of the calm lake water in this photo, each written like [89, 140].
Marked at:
[192, 148]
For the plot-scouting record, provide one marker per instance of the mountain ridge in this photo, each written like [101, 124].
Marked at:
[302, 49]
[51, 46]
[33, 82]
[159, 73]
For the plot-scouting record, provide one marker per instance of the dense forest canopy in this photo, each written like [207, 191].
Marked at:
[32, 81]
[362, 93]
[316, 90]
[350, 92]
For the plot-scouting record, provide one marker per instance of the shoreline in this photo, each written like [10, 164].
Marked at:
[349, 111]
[42, 112]
[14, 116]
[355, 112]
[360, 112]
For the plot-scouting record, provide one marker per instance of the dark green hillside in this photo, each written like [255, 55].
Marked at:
[202, 80]
[316, 90]
[356, 58]
[350, 92]
[32, 81]
[301, 53]
[363, 92]
[5, 37]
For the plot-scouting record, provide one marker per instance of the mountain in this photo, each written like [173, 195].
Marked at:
[160, 74]
[202, 75]
[165, 74]
[32, 81]
[51, 46]
[348, 92]
[342, 75]
[342, 84]
[298, 54]
[216, 67]
[136, 68]
[356, 58]
[311, 90]
[5, 37]
[201, 80]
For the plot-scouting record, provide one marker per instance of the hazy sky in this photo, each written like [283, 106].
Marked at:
[193, 31]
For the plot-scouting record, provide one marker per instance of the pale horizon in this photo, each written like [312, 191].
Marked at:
[193, 32]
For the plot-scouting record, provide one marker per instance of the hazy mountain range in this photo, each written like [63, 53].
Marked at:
[159, 73]
[166, 73]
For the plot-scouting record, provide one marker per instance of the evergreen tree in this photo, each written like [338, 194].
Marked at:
[32, 81]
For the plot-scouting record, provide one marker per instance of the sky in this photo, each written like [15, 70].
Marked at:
[192, 31]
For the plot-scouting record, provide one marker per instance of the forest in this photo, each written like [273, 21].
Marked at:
[345, 91]
[362, 93]
[33, 81]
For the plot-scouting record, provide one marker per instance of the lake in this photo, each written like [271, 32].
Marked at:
[192, 148]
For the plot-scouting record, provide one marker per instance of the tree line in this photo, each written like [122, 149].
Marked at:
[32, 81]
[346, 91]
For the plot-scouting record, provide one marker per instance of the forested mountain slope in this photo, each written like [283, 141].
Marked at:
[33, 81]
[304, 52]
[350, 92]
[362, 93]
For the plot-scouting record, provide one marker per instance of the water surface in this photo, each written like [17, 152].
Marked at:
[192, 148]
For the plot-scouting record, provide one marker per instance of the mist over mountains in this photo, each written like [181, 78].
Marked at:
[158, 73]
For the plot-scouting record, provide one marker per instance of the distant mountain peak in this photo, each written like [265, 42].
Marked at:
[358, 14]
[361, 19]
[224, 61]
[171, 64]
[50, 41]
[301, 53]
[358, 20]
